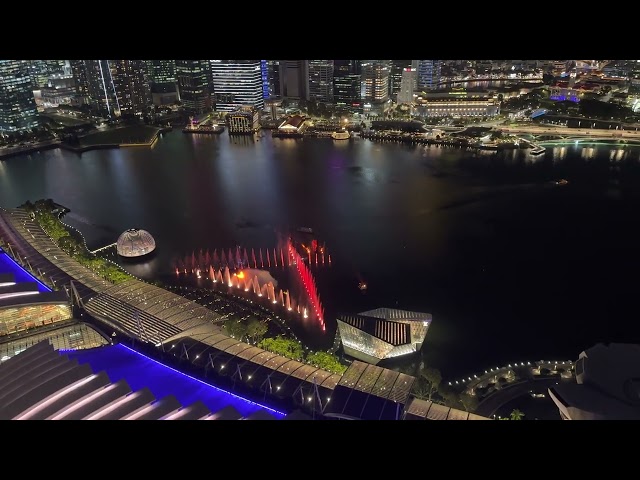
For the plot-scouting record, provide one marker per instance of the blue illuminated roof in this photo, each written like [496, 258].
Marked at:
[122, 362]
[9, 265]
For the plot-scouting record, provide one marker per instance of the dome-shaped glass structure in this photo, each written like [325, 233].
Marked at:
[135, 243]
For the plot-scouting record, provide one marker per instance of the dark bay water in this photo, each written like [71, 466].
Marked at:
[512, 267]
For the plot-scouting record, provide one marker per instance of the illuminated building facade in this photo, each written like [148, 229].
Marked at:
[237, 83]
[17, 104]
[23, 307]
[194, 85]
[135, 243]
[375, 86]
[347, 84]
[162, 81]
[321, 80]
[383, 333]
[113, 87]
[244, 121]
[456, 103]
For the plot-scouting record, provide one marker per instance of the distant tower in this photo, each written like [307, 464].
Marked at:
[17, 105]
[321, 80]
[113, 87]
[194, 85]
[429, 73]
[346, 84]
[294, 79]
[273, 77]
[407, 86]
[237, 83]
[375, 86]
[395, 77]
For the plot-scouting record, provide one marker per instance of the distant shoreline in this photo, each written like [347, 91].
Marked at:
[80, 148]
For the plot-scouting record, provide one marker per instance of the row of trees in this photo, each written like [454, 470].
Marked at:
[294, 350]
[43, 212]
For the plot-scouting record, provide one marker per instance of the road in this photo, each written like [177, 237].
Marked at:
[572, 132]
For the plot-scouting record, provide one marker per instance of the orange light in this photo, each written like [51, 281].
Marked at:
[240, 274]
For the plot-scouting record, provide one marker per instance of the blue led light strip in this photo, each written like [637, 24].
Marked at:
[202, 382]
[24, 270]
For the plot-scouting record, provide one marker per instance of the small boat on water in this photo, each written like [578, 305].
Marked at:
[362, 286]
[341, 135]
[562, 181]
[305, 230]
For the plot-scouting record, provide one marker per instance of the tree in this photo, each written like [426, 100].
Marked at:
[256, 330]
[69, 245]
[516, 415]
[433, 377]
[235, 328]
[469, 402]
[326, 361]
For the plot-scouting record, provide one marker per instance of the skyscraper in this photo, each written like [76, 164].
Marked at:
[17, 105]
[132, 86]
[346, 84]
[294, 79]
[395, 77]
[429, 73]
[41, 70]
[321, 80]
[113, 87]
[237, 83]
[407, 86]
[194, 84]
[162, 74]
[273, 74]
[375, 86]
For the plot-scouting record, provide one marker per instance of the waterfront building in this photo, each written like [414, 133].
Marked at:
[134, 243]
[237, 83]
[243, 121]
[17, 103]
[606, 386]
[195, 85]
[456, 103]
[383, 333]
[321, 80]
[294, 125]
[274, 107]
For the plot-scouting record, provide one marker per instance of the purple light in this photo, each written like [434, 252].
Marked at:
[162, 379]
[18, 270]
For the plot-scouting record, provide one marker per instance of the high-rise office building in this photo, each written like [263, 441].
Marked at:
[273, 74]
[194, 85]
[17, 105]
[395, 77]
[429, 73]
[346, 84]
[162, 74]
[321, 80]
[264, 77]
[41, 70]
[375, 86]
[237, 83]
[113, 87]
[407, 86]
[132, 86]
[294, 79]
